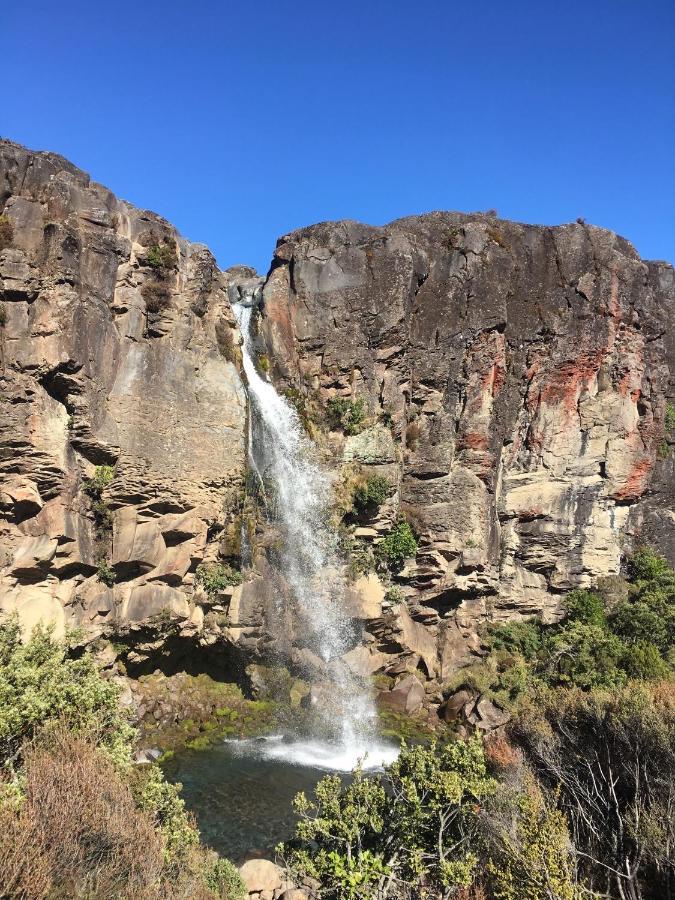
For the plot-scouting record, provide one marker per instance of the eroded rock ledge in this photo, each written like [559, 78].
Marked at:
[117, 349]
[524, 373]
[515, 380]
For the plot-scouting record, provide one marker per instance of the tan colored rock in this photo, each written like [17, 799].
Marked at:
[364, 598]
[261, 875]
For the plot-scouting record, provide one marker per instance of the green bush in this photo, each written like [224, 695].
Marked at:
[40, 682]
[371, 493]
[103, 476]
[215, 577]
[398, 545]
[224, 880]
[530, 854]
[394, 595]
[346, 414]
[162, 257]
[412, 825]
[670, 417]
[3, 315]
[586, 607]
[93, 488]
[105, 573]
[647, 565]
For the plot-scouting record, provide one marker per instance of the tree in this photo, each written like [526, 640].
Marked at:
[612, 755]
[408, 832]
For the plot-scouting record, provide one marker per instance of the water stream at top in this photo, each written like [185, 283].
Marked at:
[285, 460]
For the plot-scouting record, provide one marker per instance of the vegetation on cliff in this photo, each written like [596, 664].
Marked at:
[573, 798]
[77, 818]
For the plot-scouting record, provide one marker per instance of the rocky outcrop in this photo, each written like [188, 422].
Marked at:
[117, 349]
[515, 381]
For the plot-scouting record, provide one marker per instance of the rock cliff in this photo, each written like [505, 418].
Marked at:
[514, 383]
[117, 350]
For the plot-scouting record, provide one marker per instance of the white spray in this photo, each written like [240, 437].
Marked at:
[286, 460]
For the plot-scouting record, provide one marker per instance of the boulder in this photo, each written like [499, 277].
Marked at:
[261, 875]
[407, 696]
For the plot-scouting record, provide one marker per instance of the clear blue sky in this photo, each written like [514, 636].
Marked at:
[241, 121]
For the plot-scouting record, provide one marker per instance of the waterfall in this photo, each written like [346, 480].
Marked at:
[286, 463]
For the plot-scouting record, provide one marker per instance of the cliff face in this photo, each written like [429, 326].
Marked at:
[524, 373]
[112, 345]
[515, 381]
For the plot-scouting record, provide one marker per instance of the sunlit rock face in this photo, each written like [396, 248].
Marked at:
[92, 376]
[515, 379]
[524, 372]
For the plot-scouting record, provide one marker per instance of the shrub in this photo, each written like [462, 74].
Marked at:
[346, 414]
[162, 257]
[103, 476]
[157, 296]
[586, 607]
[371, 493]
[6, 232]
[105, 573]
[3, 315]
[215, 577]
[86, 829]
[646, 565]
[670, 417]
[224, 880]
[531, 857]
[264, 363]
[40, 682]
[93, 488]
[394, 595]
[411, 825]
[612, 753]
[524, 638]
[398, 545]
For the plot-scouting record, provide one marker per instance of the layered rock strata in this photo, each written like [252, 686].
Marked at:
[515, 383]
[117, 350]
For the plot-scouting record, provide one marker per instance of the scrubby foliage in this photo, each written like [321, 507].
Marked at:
[215, 577]
[157, 296]
[371, 493]
[594, 646]
[94, 488]
[345, 414]
[41, 682]
[77, 819]
[413, 825]
[398, 545]
[162, 257]
[670, 417]
[105, 573]
[574, 798]
[6, 232]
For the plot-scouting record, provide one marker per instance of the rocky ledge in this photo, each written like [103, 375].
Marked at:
[511, 385]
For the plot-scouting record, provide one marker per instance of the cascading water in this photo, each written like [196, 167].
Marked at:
[285, 461]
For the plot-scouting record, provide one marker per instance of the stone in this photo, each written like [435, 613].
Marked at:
[374, 446]
[525, 447]
[514, 380]
[457, 706]
[261, 875]
[407, 696]
[90, 381]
